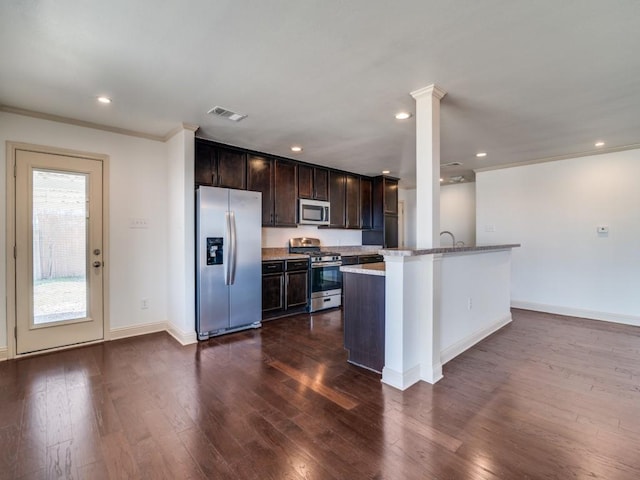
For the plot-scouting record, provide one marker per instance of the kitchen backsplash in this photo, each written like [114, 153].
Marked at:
[279, 237]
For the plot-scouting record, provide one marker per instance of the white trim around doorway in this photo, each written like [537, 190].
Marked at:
[11, 149]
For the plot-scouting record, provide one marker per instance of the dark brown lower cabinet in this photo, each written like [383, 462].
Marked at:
[272, 287]
[285, 285]
[364, 320]
[296, 287]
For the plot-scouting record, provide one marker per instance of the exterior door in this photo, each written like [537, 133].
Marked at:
[59, 243]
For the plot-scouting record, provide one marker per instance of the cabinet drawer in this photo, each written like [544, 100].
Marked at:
[370, 258]
[272, 267]
[293, 265]
[350, 260]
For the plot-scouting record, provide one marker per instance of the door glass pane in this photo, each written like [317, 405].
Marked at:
[59, 246]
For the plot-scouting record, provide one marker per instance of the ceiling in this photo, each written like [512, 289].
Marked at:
[525, 80]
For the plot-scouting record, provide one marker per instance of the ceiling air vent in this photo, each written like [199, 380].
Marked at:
[451, 164]
[224, 113]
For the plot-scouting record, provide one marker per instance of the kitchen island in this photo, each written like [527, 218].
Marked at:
[364, 292]
[438, 303]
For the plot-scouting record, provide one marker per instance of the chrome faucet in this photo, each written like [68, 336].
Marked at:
[453, 239]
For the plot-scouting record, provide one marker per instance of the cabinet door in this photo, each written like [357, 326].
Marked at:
[296, 288]
[321, 184]
[365, 203]
[391, 231]
[336, 198]
[204, 164]
[285, 193]
[232, 168]
[390, 196]
[272, 292]
[305, 181]
[352, 201]
[260, 179]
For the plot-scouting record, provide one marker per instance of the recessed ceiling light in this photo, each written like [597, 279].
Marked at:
[481, 154]
[384, 172]
[296, 148]
[599, 144]
[103, 99]
[441, 179]
[402, 115]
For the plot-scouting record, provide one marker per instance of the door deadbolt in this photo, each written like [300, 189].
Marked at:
[96, 251]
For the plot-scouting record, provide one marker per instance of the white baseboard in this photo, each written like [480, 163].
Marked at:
[401, 380]
[577, 312]
[4, 354]
[184, 338]
[457, 348]
[135, 330]
[432, 375]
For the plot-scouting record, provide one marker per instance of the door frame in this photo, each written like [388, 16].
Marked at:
[10, 225]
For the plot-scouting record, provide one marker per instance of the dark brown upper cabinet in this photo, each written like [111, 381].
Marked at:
[313, 182]
[232, 168]
[219, 167]
[337, 192]
[260, 179]
[366, 201]
[390, 195]
[276, 179]
[352, 201]
[205, 155]
[321, 183]
[385, 213]
[286, 193]
[358, 202]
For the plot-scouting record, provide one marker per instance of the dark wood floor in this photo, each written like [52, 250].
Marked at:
[545, 397]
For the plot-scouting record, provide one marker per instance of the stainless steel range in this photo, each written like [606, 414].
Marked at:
[325, 278]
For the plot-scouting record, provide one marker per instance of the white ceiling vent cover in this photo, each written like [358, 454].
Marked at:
[225, 113]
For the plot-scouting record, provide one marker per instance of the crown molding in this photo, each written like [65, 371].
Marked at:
[430, 90]
[97, 126]
[568, 156]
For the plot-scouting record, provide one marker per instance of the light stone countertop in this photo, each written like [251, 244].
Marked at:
[412, 252]
[377, 269]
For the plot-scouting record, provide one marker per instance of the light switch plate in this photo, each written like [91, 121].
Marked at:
[138, 223]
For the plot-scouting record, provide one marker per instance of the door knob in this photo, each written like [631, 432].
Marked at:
[97, 264]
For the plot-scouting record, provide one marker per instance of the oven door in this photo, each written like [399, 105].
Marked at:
[326, 279]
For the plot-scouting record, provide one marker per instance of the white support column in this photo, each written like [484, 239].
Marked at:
[428, 226]
[428, 165]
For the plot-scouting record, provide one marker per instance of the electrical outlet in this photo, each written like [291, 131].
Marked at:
[470, 304]
[144, 303]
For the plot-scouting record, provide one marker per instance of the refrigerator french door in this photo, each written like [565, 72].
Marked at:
[228, 261]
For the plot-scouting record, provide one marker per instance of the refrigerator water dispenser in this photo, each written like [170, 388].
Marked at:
[214, 250]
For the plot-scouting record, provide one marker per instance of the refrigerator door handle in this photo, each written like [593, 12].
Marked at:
[233, 243]
[228, 247]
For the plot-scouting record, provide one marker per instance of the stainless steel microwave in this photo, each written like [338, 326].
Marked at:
[313, 212]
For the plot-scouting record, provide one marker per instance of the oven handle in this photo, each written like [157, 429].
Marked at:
[326, 264]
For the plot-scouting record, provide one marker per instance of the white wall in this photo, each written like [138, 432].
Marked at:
[279, 237]
[180, 236]
[474, 300]
[138, 184]
[409, 227]
[552, 209]
[457, 213]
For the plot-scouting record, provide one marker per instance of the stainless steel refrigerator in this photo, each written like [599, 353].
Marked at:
[228, 260]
